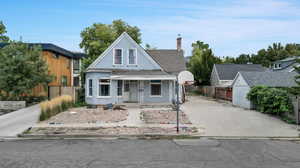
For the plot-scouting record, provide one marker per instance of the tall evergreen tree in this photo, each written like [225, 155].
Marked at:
[21, 69]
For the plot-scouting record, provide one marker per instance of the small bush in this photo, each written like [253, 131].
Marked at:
[55, 106]
[272, 101]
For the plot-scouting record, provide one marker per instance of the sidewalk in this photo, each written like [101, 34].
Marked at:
[16, 122]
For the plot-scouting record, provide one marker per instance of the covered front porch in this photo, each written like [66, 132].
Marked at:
[144, 89]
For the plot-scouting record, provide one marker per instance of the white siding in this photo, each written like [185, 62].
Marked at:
[240, 91]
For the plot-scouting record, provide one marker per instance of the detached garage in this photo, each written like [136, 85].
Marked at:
[245, 80]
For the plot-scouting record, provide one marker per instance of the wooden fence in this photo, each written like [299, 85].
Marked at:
[296, 105]
[224, 93]
[55, 91]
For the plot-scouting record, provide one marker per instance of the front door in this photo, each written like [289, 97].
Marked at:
[133, 91]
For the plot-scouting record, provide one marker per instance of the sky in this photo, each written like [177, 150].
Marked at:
[230, 27]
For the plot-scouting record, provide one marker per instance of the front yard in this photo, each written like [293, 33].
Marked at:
[84, 115]
[129, 121]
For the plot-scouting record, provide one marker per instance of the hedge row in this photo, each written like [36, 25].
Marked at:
[274, 101]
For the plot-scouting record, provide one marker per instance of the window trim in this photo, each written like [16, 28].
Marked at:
[128, 62]
[151, 83]
[88, 87]
[98, 87]
[122, 56]
[122, 88]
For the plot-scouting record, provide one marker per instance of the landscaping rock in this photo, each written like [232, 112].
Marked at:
[85, 115]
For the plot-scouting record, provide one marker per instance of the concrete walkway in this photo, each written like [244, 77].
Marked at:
[16, 122]
[223, 119]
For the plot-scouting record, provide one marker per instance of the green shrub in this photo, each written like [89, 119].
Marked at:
[274, 101]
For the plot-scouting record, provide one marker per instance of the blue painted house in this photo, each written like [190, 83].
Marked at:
[126, 72]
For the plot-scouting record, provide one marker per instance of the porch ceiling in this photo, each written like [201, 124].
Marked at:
[143, 77]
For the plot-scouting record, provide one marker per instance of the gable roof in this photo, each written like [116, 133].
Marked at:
[269, 78]
[171, 61]
[123, 35]
[53, 48]
[229, 71]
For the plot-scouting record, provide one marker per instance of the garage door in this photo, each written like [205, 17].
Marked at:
[239, 97]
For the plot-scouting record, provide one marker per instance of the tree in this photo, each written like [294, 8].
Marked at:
[98, 37]
[149, 47]
[202, 62]
[243, 59]
[3, 38]
[21, 69]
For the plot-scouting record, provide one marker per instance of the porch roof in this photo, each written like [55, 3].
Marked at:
[143, 77]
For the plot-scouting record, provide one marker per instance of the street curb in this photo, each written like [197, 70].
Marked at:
[147, 137]
[103, 136]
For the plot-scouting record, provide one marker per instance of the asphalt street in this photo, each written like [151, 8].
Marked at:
[149, 154]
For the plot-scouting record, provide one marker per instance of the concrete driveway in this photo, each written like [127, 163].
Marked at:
[223, 119]
[16, 122]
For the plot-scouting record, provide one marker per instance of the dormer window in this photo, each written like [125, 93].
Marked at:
[118, 55]
[132, 56]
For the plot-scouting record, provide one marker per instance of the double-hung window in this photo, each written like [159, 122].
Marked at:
[132, 56]
[118, 56]
[155, 87]
[104, 87]
[90, 87]
[120, 88]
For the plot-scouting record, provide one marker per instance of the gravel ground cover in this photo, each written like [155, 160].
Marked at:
[110, 131]
[86, 115]
[163, 116]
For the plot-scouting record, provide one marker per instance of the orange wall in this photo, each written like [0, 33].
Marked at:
[58, 67]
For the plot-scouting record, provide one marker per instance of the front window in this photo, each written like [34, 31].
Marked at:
[118, 56]
[126, 86]
[104, 87]
[90, 87]
[132, 56]
[120, 87]
[155, 88]
[76, 66]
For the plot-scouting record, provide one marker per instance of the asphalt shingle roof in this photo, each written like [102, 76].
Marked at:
[171, 61]
[53, 48]
[229, 71]
[268, 78]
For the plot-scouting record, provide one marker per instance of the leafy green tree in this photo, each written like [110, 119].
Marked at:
[243, 59]
[98, 37]
[202, 62]
[21, 69]
[3, 37]
[149, 47]
[228, 60]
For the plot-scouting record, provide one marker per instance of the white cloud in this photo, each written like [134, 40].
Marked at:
[240, 27]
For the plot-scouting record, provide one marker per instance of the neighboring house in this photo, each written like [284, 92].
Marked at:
[245, 80]
[125, 72]
[223, 75]
[62, 65]
[286, 65]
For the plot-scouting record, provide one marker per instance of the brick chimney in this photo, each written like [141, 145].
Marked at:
[179, 42]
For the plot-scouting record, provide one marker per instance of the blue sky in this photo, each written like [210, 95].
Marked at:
[231, 27]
